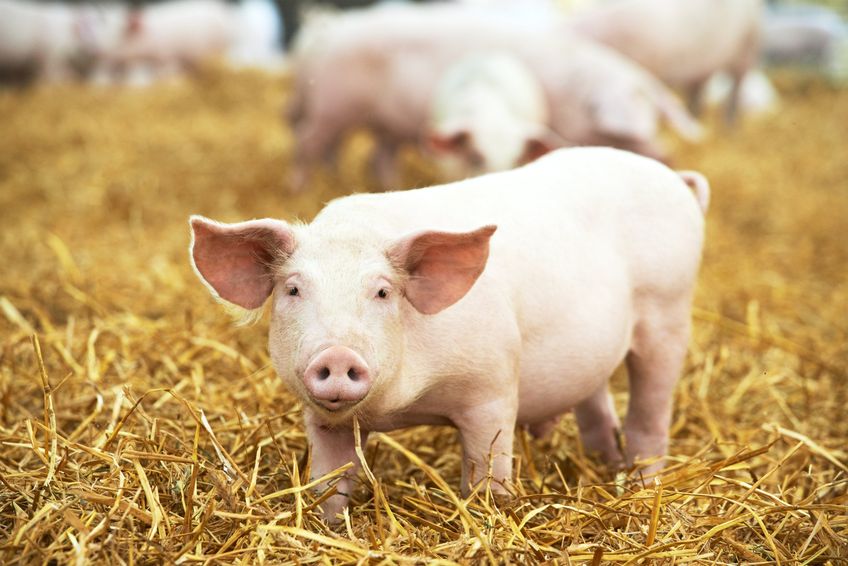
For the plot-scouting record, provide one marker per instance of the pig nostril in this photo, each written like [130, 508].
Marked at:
[351, 373]
[324, 373]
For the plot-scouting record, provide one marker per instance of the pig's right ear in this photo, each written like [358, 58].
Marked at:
[235, 260]
[448, 142]
[442, 266]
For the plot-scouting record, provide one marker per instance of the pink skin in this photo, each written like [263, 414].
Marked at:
[172, 37]
[682, 43]
[445, 321]
[352, 78]
[337, 378]
[53, 39]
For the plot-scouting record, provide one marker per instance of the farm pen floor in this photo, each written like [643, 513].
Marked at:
[155, 431]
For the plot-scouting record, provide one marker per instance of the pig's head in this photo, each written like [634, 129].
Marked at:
[487, 146]
[341, 299]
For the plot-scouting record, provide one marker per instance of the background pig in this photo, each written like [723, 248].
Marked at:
[167, 38]
[55, 41]
[683, 43]
[806, 35]
[507, 298]
[378, 69]
[489, 113]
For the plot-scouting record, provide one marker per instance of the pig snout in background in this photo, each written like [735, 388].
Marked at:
[682, 43]
[489, 113]
[378, 69]
[378, 306]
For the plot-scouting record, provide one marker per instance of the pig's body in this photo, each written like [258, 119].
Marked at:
[378, 69]
[171, 37]
[565, 313]
[489, 113]
[806, 35]
[682, 42]
[594, 261]
[39, 38]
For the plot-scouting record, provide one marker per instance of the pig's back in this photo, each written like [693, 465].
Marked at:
[589, 205]
[680, 42]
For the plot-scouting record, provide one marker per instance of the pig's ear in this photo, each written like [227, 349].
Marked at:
[442, 266]
[539, 144]
[234, 260]
[448, 142]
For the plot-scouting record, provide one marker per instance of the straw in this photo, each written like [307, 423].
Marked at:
[139, 425]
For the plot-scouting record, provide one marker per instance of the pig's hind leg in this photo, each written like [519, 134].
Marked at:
[598, 425]
[654, 364]
[695, 97]
[315, 142]
[384, 162]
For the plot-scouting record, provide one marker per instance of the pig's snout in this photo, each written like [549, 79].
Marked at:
[337, 378]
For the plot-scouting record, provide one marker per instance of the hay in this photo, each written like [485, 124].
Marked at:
[140, 426]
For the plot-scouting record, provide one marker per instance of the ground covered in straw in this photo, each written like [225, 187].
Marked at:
[139, 425]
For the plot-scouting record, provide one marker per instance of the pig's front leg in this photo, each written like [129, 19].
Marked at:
[487, 431]
[332, 448]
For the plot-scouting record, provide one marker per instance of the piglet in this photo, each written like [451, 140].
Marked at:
[809, 36]
[379, 69]
[684, 43]
[54, 41]
[489, 113]
[499, 300]
[172, 37]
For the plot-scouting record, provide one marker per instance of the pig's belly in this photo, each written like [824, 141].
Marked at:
[567, 364]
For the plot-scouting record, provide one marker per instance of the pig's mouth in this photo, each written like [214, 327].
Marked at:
[334, 405]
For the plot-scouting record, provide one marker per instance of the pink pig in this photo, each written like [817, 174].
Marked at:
[499, 300]
[55, 41]
[489, 113]
[380, 69]
[170, 37]
[682, 42]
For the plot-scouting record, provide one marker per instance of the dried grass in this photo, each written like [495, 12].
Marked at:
[138, 425]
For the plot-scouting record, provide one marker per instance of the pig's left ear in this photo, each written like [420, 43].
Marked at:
[235, 260]
[541, 142]
[448, 142]
[442, 266]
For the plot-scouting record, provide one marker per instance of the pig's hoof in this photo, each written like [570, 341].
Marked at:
[332, 509]
[503, 499]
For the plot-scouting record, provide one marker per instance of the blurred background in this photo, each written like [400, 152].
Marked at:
[119, 120]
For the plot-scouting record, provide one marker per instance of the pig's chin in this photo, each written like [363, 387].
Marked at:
[336, 408]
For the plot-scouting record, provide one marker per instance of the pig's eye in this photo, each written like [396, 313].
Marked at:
[383, 293]
[293, 292]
